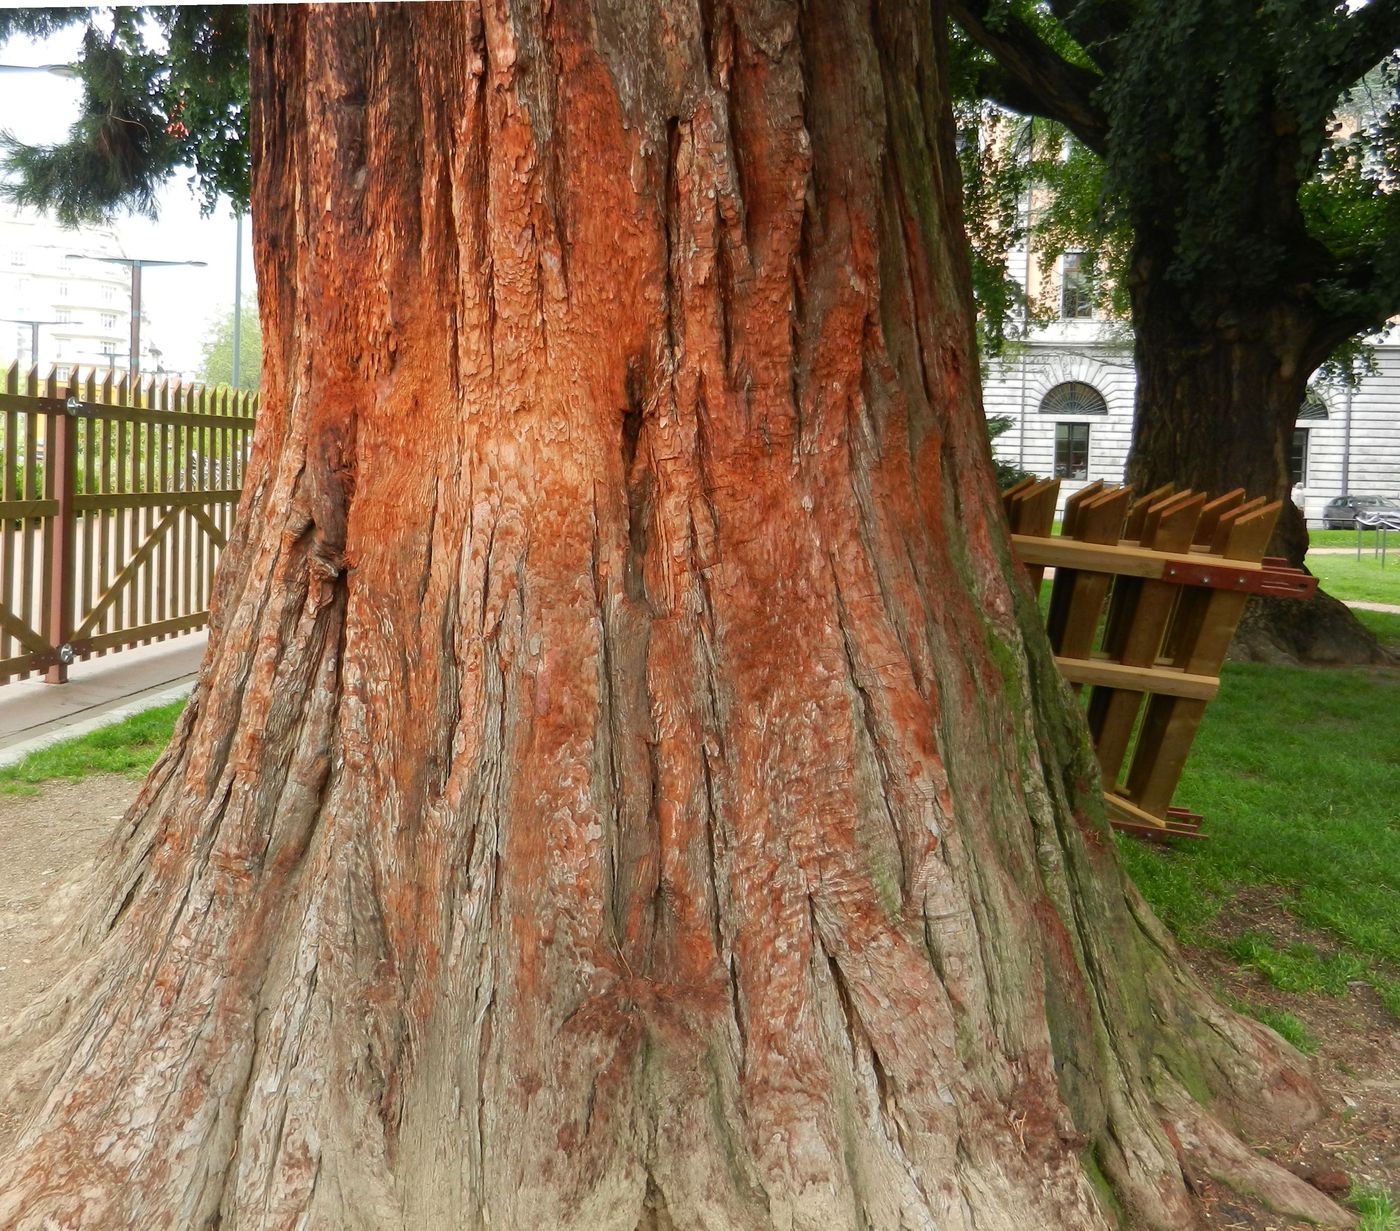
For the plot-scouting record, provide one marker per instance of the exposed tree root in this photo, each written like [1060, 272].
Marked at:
[1322, 632]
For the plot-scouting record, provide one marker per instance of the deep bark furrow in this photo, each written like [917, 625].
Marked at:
[625, 790]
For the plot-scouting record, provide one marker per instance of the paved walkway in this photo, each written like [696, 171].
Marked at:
[99, 691]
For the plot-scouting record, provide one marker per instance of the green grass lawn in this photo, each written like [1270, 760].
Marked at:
[128, 747]
[1385, 625]
[1341, 538]
[1295, 771]
[1353, 580]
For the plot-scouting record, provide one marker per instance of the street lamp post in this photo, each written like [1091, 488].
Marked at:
[58, 70]
[33, 334]
[136, 265]
[237, 301]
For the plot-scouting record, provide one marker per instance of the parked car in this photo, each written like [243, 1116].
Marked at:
[1340, 514]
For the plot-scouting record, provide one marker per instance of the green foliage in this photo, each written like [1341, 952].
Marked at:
[1077, 215]
[1007, 474]
[1028, 180]
[217, 364]
[1248, 153]
[164, 88]
[996, 175]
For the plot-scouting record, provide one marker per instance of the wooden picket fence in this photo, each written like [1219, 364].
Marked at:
[1146, 597]
[115, 504]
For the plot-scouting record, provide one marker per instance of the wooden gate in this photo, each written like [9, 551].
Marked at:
[1146, 598]
[116, 504]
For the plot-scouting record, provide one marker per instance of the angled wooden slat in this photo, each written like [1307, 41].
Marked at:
[1014, 490]
[1163, 681]
[1077, 598]
[130, 570]
[1074, 503]
[1030, 512]
[147, 632]
[1213, 512]
[1136, 627]
[1132, 529]
[1205, 626]
[21, 632]
[207, 524]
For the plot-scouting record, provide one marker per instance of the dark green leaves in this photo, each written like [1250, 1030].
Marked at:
[164, 89]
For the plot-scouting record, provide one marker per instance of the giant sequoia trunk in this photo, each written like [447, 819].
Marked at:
[1218, 394]
[625, 788]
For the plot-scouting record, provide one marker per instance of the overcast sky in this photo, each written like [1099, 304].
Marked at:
[180, 303]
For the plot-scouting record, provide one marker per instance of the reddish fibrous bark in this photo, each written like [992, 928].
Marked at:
[625, 787]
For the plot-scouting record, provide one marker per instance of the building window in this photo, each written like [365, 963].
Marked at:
[1073, 397]
[1313, 406]
[18, 257]
[65, 316]
[1077, 286]
[1298, 459]
[108, 294]
[63, 290]
[108, 321]
[1071, 450]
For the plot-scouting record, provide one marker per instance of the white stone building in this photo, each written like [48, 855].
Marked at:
[85, 304]
[1069, 387]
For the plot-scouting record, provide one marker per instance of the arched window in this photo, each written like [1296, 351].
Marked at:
[1069, 401]
[1313, 406]
[1073, 397]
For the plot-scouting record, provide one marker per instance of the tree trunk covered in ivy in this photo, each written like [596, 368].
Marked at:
[627, 786]
[1195, 356]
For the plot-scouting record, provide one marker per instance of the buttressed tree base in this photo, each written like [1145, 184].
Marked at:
[626, 787]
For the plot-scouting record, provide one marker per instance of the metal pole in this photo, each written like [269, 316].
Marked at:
[1346, 442]
[135, 321]
[61, 481]
[34, 327]
[1026, 310]
[238, 301]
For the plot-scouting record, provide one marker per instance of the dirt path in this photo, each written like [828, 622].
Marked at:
[47, 841]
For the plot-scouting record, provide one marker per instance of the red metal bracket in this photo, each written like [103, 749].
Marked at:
[1276, 578]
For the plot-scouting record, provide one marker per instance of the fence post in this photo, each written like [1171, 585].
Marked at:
[62, 474]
